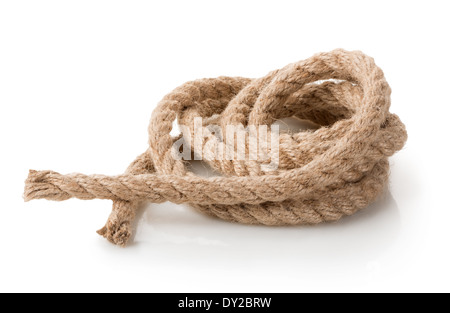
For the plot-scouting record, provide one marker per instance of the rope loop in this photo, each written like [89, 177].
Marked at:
[318, 176]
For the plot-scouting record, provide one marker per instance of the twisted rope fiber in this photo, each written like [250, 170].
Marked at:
[322, 175]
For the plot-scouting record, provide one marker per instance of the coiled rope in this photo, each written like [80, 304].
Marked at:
[322, 175]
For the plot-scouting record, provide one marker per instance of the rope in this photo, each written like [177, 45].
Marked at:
[322, 175]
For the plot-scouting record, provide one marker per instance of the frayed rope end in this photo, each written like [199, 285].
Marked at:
[38, 186]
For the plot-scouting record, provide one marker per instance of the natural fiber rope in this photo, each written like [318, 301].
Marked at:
[322, 175]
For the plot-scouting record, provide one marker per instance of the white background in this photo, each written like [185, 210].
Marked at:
[79, 80]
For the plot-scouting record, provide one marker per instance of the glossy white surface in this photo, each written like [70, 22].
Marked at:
[78, 82]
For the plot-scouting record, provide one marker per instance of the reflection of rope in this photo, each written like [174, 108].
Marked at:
[321, 176]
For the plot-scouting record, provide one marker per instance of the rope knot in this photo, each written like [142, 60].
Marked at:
[318, 175]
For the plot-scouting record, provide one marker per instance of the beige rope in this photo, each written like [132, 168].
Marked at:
[322, 175]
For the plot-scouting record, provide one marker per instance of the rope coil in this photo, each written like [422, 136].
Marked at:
[322, 175]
